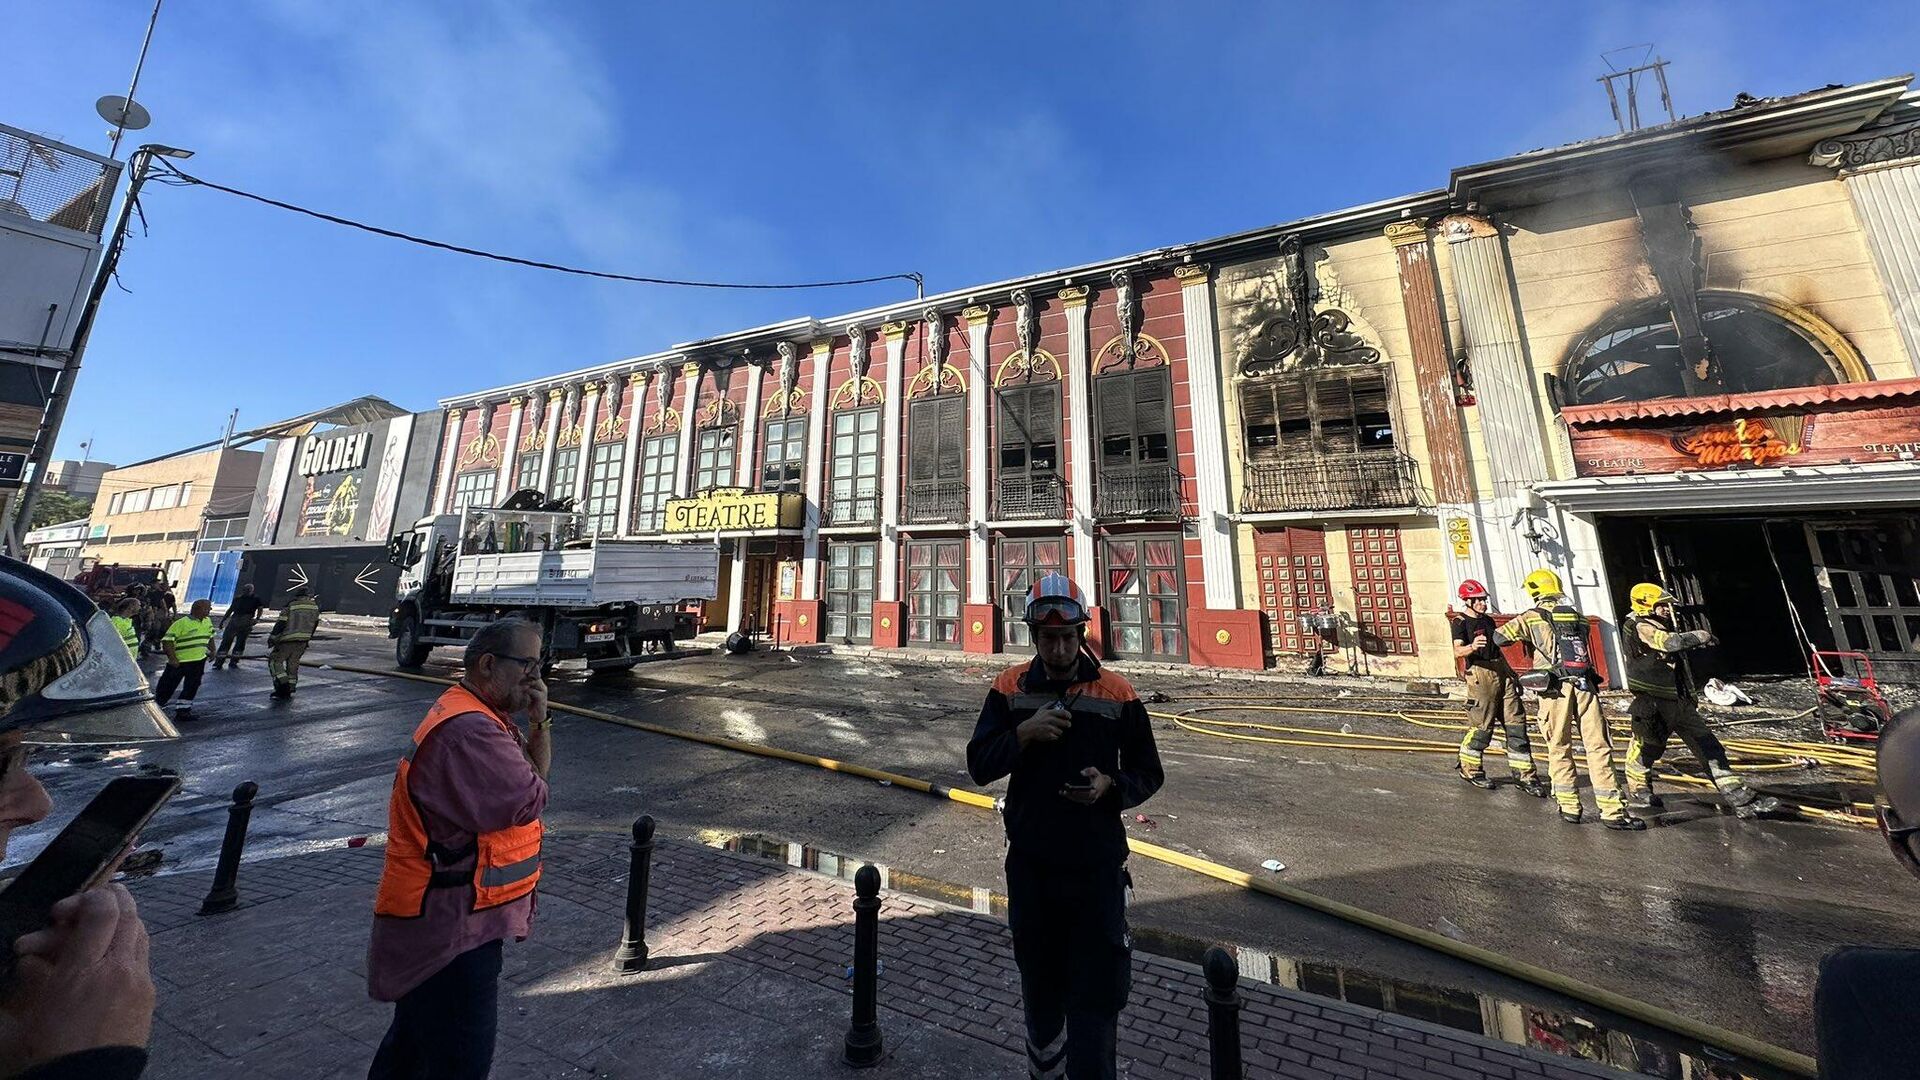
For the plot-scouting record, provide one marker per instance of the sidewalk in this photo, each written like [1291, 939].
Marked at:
[747, 980]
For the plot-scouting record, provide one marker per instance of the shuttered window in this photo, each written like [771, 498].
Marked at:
[936, 440]
[1029, 430]
[1135, 418]
[1337, 411]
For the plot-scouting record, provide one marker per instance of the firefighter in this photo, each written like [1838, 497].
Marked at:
[1556, 634]
[1077, 743]
[1493, 694]
[288, 639]
[125, 611]
[1664, 706]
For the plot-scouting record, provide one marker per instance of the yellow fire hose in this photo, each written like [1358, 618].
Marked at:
[1788, 1061]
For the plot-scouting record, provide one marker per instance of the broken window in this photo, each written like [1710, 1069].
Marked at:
[1311, 413]
[1635, 355]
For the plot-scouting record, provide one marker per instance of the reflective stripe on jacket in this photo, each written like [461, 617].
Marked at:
[302, 618]
[1651, 669]
[190, 637]
[507, 862]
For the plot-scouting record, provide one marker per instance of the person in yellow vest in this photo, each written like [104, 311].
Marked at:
[462, 859]
[125, 611]
[1556, 634]
[185, 643]
[287, 641]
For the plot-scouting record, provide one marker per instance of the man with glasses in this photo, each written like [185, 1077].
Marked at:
[462, 859]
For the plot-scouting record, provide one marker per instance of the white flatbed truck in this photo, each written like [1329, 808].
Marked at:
[595, 599]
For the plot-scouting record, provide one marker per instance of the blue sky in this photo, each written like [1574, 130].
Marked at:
[772, 141]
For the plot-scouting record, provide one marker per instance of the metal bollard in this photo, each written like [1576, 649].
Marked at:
[863, 1037]
[224, 896]
[1223, 1014]
[632, 955]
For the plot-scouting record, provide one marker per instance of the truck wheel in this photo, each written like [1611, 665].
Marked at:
[408, 650]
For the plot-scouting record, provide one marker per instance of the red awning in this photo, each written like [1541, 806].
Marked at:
[1799, 397]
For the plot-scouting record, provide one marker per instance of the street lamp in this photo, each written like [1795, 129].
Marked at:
[56, 410]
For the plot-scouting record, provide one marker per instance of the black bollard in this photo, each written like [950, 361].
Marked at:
[632, 955]
[1223, 1014]
[863, 1037]
[223, 896]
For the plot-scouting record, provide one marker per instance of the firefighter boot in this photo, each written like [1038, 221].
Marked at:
[1520, 762]
[1613, 811]
[1640, 794]
[1472, 747]
[281, 689]
[1532, 785]
[1746, 802]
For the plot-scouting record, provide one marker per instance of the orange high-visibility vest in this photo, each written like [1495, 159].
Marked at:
[507, 866]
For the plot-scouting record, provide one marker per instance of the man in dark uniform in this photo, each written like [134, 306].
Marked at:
[237, 626]
[1079, 748]
[1493, 696]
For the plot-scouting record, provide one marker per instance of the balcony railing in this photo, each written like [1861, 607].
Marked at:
[1023, 497]
[935, 501]
[1137, 491]
[1353, 481]
[860, 508]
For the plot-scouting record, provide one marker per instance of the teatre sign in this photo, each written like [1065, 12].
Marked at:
[733, 509]
[333, 455]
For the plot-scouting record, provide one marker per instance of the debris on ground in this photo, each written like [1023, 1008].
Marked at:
[1155, 697]
[885, 783]
[1142, 819]
[939, 851]
[145, 861]
[1273, 866]
[1725, 694]
[356, 841]
[1447, 926]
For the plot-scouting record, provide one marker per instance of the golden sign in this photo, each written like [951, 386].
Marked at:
[1758, 441]
[734, 510]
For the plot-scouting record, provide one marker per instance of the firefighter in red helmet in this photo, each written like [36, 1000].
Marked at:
[1078, 746]
[1493, 696]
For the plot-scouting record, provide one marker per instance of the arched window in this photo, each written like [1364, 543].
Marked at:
[1634, 353]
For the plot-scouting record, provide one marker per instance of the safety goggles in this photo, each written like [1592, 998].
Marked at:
[1056, 612]
[1897, 833]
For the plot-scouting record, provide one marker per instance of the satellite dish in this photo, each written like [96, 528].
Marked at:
[122, 112]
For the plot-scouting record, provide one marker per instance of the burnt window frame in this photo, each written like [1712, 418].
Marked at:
[1021, 427]
[1320, 428]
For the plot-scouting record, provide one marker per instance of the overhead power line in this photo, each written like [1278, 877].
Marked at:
[178, 178]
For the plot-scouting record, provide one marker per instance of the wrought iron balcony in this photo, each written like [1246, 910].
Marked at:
[936, 501]
[1137, 491]
[860, 508]
[1352, 481]
[1025, 496]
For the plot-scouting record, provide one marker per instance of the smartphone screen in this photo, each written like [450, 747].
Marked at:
[79, 858]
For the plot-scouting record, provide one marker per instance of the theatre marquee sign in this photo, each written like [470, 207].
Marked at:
[1852, 423]
[735, 510]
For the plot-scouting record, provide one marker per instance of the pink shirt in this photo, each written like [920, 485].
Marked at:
[469, 777]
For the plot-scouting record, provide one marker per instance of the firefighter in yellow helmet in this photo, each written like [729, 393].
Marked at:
[1664, 706]
[1556, 635]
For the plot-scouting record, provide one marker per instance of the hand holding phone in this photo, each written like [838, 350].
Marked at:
[81, 983]
[1089, 789]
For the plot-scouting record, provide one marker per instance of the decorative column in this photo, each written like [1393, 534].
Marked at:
[889, 614]
[637, 383]
[450, 452]
[748, 441]
[1439, 408]
[555, 398]
[589, 411]
[1880, 168]
[979, 617]
[683, 468]
[510, 450]
[1222, 634]
[1078, 451]
[1503, 385]
[816, 467]
[737, 588]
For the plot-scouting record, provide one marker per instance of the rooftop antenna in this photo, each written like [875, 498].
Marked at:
[124, 113]
[1630, 80]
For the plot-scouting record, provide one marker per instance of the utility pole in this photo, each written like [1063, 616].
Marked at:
[56, 412]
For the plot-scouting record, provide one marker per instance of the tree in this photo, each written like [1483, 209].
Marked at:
[54, 507]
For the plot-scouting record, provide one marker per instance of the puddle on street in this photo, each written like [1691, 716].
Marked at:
[1551, 1030]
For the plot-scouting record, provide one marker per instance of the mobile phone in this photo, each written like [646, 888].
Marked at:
[1087, 786]
[81, 857]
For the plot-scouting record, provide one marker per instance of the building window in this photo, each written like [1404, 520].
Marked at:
[850, 591]
[113, 504]
[937, 459]
[603, 489]
[1145, 598]
[785, 452]
[136, 502]
[566, 469]
[1023, 562]
[186, 492]
[1635, 355]
[933, 592]
[1322, 440]
[221, 534]
[164, 498]
[658, 457]
[1135, 425]
[713, 459]
[854, 496]
[472, 489]
[1029, 485]
[529, 472]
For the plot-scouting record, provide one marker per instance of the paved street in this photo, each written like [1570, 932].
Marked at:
[1711, 917]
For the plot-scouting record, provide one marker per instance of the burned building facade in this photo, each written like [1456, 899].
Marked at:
[1683, 353]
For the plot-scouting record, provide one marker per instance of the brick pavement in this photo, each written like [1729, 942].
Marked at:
[748, 980]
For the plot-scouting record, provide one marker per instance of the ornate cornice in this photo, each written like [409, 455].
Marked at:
[635, 378]
[1870, 147]
[1459, 228]
[976, 314]
[592, 389]
[1407, 233]
[1074, 296]
[894, 331]
[454, 414]
[516, 401]
[1287, 333]
[691, 369]
[1192, 274]
[554, 394]
[822, 347]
